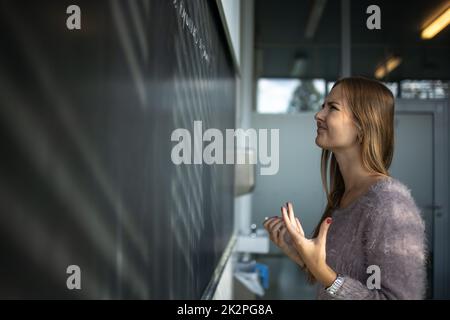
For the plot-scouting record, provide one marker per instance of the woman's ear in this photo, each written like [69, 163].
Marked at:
[360, 137]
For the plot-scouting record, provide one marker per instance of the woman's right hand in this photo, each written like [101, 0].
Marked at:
[281, 238]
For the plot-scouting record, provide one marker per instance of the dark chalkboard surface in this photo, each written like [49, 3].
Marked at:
[86, 176]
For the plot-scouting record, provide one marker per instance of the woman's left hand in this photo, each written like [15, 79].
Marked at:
[312, 251]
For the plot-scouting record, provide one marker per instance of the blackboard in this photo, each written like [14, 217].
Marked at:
[86, 174]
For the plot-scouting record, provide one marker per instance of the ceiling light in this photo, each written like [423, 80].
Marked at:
[387, 66]
[437, 25]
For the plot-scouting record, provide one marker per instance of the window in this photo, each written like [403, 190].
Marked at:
[424, 89]
[302, 95]
[393, 86]
[289, 95]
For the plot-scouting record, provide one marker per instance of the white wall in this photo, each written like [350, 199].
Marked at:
[298, 179]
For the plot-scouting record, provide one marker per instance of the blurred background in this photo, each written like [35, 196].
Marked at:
[86, 117]
[300, 49]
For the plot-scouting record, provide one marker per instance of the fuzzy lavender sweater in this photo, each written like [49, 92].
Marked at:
[383, 228]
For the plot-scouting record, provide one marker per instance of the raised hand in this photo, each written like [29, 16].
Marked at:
[311, 251]
[281, 238]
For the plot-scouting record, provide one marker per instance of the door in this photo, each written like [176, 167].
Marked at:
[420, 162]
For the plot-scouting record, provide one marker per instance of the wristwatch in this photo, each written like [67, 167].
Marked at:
[336, 285]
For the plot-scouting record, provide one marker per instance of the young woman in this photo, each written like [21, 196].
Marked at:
[370, 241]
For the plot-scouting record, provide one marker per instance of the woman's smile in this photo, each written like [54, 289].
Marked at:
[320, 128]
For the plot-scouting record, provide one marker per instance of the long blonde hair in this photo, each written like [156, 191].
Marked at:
[372, 105]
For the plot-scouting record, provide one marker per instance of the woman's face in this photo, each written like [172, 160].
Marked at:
[335, 125]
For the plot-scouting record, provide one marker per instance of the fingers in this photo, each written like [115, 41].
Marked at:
[293, 225]
[269, 219]
[275, 232]
[268, 224]
[296, 236]
[290, 209]
[322, 237]
[277, 226]
[273, 229]
[294, 220]
[281, 234]
[291, 228]
[299, 227]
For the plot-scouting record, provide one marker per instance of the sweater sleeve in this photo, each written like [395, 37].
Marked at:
[395, 242]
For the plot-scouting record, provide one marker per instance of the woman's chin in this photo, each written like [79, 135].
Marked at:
[320, 143]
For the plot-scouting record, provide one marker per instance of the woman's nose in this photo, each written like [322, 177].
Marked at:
[320, 115]
[316, 116]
